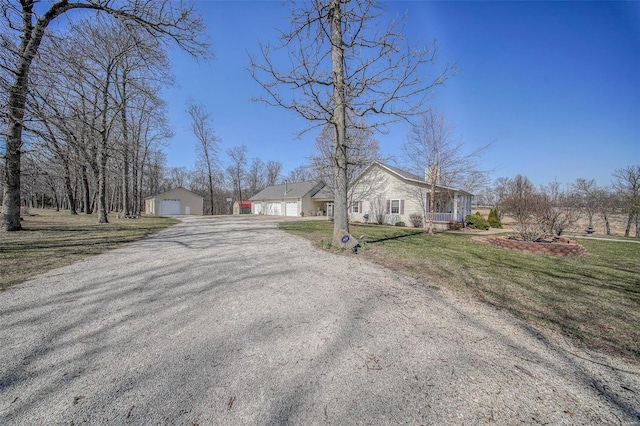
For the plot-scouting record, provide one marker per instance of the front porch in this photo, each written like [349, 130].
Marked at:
[449, 208]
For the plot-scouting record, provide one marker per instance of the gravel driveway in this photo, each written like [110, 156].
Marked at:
[231, 321]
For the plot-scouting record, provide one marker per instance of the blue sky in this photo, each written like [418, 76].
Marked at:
[554, 86]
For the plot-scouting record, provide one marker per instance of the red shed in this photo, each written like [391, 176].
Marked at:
[242, 207]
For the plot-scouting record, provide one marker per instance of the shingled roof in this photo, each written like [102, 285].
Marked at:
[288, 191]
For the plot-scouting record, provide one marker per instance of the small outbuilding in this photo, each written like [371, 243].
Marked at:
[177, 201]
[242, 207]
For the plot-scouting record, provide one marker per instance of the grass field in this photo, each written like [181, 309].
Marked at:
[593, 300]
[51, 239]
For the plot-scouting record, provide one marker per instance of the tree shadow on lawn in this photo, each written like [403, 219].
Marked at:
[596, 310]
[595, 299]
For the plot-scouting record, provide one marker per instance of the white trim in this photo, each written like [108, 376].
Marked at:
[391, 206]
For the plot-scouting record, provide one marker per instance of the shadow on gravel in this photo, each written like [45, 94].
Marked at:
[196, 326]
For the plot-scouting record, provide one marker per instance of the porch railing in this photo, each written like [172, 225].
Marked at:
[446, 217]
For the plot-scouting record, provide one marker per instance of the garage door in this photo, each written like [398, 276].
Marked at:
[169, 207]
[291, 209]
[273, 209]
[257, 208]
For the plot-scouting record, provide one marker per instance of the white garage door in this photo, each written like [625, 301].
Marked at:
[291, 209]
[169, 207]
[273, 209]
[257, 208]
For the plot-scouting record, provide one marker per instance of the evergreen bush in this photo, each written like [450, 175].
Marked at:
[476, 221]
[494, 219]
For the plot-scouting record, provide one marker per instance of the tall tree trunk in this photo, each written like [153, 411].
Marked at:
[68, 186]
[103, 155]
[11, 193]
[86, 191]
[339, 121]
[140, 193]
[69, 191]
[211, 189]
[29, 44]
[102, 186]
[126, 196]
[135, 208]
[629, 221]
[54, 196]
[432, 206]
[607, 226]
[16, 105]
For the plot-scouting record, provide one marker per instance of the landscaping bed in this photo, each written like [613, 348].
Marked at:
[556, 247]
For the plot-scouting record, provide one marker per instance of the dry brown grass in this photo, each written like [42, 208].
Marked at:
[617, 222]
[52, 239]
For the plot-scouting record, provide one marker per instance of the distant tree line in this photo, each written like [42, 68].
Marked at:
[94, 127]
[552, 209]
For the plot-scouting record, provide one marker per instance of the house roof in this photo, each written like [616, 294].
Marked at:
[178, 188]
[403, 173]
[325, 193]
[408, 176]
[288, 191]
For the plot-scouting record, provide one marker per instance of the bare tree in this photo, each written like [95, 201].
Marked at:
[301, 174]
[607, 202]
[238, 168]
[256, 177]
[628, 185]
[178, 177]
[431, 150]
[153, 180]
[378, 208]
[555, 209]
[362, 150]
[585, 193]
[207, 146]
[520, 199]
[342, 64]
[274, 168]
[22, 34]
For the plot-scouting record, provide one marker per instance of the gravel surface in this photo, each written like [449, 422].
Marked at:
[231, 321]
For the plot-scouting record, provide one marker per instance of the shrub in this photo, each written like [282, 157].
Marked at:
[494, 219]
[455, 226]
[400, 223]
[476, 221]
[416, 220]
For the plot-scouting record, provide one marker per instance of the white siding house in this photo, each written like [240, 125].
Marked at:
[380, 194]
[386, 194]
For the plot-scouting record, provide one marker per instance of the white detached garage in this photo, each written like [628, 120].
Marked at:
[287, 199]
[178, 201]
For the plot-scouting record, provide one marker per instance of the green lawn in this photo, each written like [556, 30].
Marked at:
[51, 239]
[593, 300]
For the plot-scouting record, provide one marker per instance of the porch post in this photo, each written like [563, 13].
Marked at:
[455, 207]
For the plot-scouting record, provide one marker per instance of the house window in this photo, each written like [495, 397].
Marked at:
[355, 207]
[395, 206]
